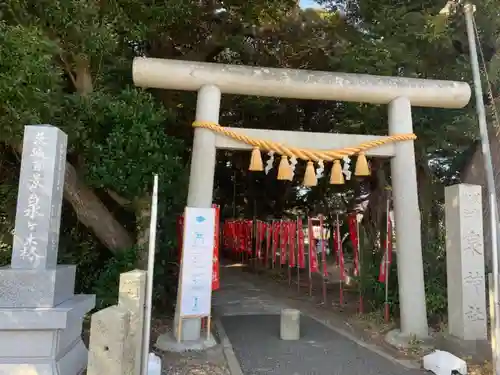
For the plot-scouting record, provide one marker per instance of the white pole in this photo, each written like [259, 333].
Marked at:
[149, 278]
[490, 179]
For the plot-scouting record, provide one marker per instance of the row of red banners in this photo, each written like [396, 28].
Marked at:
[283, 242]
[215, 257]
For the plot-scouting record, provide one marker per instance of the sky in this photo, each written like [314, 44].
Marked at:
[308, 4]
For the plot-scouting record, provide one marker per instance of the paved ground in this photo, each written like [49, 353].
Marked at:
[250, 318]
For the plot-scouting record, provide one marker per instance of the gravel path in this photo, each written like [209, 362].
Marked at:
[320, 351]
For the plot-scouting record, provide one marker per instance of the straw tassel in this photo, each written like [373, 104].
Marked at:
[362, 168]
[284, 170]
[337, 177]
[310, 175]
[256, 164]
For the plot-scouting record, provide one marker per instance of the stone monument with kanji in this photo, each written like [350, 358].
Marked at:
[40, 316]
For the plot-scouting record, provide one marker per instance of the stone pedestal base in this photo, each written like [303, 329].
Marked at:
[72, 363]
[480, 350]
[36, 288]
[168, 343]
[44, 341]
[290, 324]
[401, 341]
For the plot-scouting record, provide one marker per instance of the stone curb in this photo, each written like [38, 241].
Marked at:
[227, 347]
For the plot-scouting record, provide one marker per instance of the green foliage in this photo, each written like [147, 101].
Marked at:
[29, 79]
[434, 254]
[107, 282]
[435, 282]
[124, 142]
[119, 135]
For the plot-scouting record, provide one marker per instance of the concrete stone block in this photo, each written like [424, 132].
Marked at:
[46, 340]
[36, 287]
[45, 317]
[467, 315]
[72, 333]
[107, 348]
[132, 297]
[290, 324]
[72, 362]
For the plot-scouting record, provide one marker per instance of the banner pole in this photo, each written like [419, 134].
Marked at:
[146, 334]
[341, 261]
[323, 258]
[387, 265]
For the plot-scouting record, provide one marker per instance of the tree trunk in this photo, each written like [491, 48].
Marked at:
[88, 207]
[92, 213]
[143, 218]
[373, 216]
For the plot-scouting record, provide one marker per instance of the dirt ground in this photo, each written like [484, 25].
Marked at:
[209, 362]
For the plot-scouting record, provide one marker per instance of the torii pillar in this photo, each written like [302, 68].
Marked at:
[211, 80]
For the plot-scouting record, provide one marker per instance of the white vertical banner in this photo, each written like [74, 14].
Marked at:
[197, 257]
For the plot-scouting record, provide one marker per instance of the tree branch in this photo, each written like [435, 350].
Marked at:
[68, 69]
[91, 212]
[124, 202]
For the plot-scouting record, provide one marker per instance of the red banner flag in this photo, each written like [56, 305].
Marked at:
[215, 257]
[313, 258]
[301, 251]
[233, 230]
[283, 241]
[322, 238]
[268, 242]
[342, 265]
[276, 234]
[385, 264]
[249, 233]
[234, 237]
[180, 235]
[241, 236]
[292, 237]
[258, 245]
[336, 241]
[262, 237]
[353, 231]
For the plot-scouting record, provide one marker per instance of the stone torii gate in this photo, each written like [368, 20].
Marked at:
[211, 80]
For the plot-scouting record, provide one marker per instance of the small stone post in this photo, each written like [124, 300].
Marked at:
[467, 313]
[116, 332]
[108, 342]
[132, 297]
[290, 324]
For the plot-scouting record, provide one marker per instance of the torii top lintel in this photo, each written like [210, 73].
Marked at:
[299, 84]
